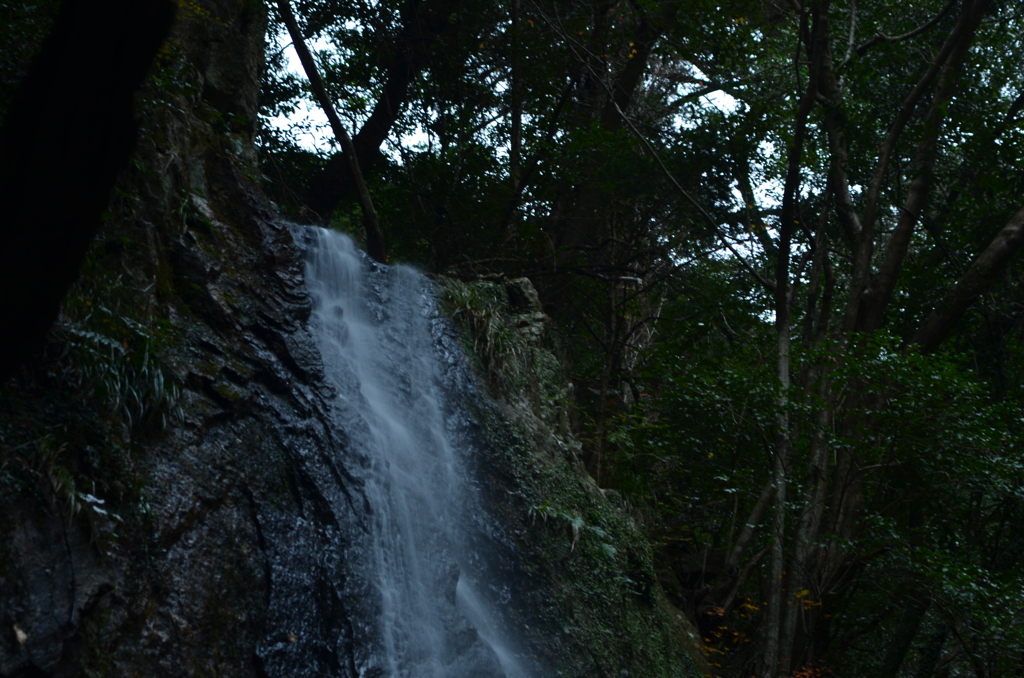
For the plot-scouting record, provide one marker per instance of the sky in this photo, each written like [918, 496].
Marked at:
[316, 133]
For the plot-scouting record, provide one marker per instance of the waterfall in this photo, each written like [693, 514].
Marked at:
[424, 615]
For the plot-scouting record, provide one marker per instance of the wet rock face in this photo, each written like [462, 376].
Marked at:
[212, 543]
[176, 497]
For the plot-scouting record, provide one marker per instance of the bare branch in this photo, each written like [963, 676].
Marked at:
[839, 147]
[764, 282]
[862, 50]
[731, 599]
[746, 190]
[849, 40]
[524, 177]
[853, 30]
[750, 526]
[907, 110]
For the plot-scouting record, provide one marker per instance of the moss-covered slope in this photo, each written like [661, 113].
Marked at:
[584, 583]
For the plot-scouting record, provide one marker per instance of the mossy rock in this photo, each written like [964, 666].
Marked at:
[587, 595]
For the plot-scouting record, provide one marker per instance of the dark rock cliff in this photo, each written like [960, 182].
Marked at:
[171, 496]
[171, 502]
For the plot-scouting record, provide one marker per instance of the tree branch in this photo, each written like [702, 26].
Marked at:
[573, 44]
[862, 50]
[374, 237]
[750, 526]
[523, 179]
[979, 276]
[746, 190]
[920, 187]
[764, 282]
[424, 24]
[864, 247]
[907, 110]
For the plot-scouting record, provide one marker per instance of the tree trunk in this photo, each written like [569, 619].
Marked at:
[902, 638]
[68, 133]
[424, 25]
[776, 655]
[978, 278]
[374, 237]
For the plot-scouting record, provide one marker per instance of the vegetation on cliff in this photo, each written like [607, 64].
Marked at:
[776, 240]
[779, 242]
[588, 596]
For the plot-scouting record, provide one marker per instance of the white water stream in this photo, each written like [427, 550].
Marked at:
[428, 619]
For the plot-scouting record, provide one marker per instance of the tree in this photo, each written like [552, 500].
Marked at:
[785, 308]
[374, 237]
[60, 162]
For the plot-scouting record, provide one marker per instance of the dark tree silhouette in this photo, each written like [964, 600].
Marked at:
[68, 133]
[426, 24]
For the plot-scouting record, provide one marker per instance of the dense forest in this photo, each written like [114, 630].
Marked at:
[778, 240]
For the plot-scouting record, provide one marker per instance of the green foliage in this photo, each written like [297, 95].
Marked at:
[587, 569]
[943, 470]
[668, 337]
[485, 315]
[23, 27]
[70, 420]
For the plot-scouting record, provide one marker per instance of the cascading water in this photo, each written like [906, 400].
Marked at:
[425, 617]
